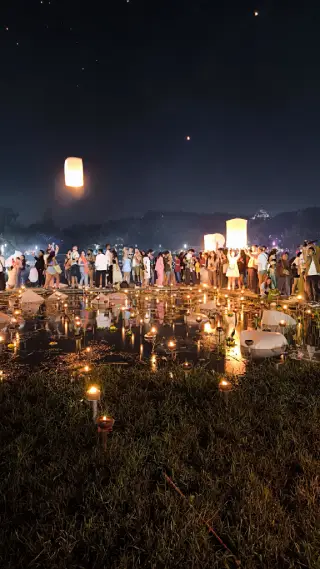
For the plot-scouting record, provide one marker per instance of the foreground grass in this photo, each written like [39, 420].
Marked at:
[251, 469]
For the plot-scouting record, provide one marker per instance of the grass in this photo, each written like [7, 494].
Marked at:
[250, 468]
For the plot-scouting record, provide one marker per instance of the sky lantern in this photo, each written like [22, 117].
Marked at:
[237, 233]
[213, 241]
[73, 172]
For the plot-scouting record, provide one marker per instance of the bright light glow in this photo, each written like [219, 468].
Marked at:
[207, 328]
[213, 241]
[93, 390]
[73, 172]
[237, 233]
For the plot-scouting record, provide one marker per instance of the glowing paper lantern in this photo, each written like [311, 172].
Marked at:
[213, 241]
[73, 172]
[237, 233]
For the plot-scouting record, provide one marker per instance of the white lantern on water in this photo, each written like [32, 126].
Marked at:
[237, 233]
[213, 241]
[73, 172]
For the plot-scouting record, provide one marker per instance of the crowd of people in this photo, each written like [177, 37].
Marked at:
[255, 268]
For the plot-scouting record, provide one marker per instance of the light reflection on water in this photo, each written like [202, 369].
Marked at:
[199, 335]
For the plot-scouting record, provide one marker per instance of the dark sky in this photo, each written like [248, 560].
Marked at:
[121, 84]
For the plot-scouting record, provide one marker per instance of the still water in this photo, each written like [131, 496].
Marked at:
[153, 327]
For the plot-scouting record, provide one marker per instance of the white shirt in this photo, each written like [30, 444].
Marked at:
[108, 256]
[262, 262]
[2, 264]
[74, 257]
[101, 262]
[312, 270]
[147, 267]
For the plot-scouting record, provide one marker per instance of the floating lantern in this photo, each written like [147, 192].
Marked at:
[213, 241]
[73, 172]
[171, 345]
[237, 233]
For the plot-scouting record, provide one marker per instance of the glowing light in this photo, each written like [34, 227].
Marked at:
[93, 393]
[213, 241]
[207, 328]
[256, 13]
[237, 233]
[188, 138]
[73, 172]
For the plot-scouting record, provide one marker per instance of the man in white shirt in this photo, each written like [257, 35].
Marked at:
[313, 273]
[109, 258]
[262, 265]
[2, 273]
[101, 269]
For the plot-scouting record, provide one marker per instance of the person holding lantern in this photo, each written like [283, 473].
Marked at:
[232, 270]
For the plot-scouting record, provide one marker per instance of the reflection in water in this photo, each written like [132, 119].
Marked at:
[127, 323]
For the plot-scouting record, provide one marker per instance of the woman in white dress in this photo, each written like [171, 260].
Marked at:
[232, 270]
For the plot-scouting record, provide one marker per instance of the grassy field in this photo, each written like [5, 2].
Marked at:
[250, 467]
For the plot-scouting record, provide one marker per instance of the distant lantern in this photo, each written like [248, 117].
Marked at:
[237, 233]
[188, 138]
[256, 13]
[73, 172]
[213, 241]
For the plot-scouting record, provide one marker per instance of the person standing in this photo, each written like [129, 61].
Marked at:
[177, 269]
[242, 266]
[136, 266]
[262, 262]
[272, 260]
[232, 271]
[101, 269]
[126, 265]
[109, 258]
[74, 269]
[2, 273]
[197, 268]
[18, 267]
[147, 270]
[40, 266]
[212, 268]
[116, 272]
[91, 260]
[252, 269]
[284, 275]
[83, 266]
[160, 269]
[312, 272]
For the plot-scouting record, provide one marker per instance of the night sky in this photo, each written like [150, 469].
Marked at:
[123, 83]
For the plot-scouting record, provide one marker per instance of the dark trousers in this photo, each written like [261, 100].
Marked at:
[284, 285]
[41, 278]
[2, 281]
[110, 274]
[312, 286]
[101, 274]
[187, 277]
[252, 279]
